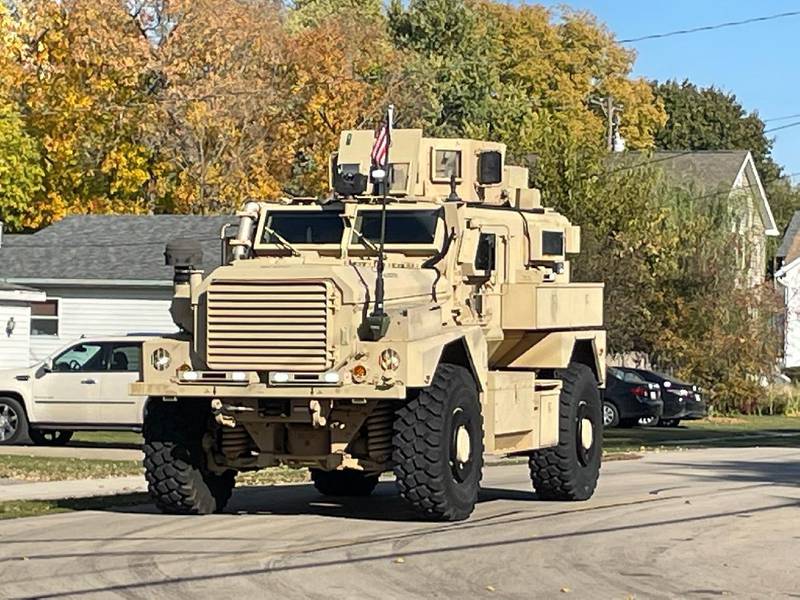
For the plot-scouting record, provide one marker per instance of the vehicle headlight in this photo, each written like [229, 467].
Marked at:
[389, 360]
[682, 393]
[160, 359]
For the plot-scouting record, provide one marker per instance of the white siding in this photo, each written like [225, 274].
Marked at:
[105, 311]
[791, 292]
[15, 348]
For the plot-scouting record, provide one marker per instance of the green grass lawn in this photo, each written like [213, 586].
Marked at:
[708, 433]
[16, 509]
[36, 468]
[107, 438]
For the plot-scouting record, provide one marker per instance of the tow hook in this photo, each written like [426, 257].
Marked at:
[220, 417]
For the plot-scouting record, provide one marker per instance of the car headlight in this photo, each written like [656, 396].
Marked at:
[682, 393]
[160, 359]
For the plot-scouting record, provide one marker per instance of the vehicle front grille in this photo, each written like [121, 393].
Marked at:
[268, 326]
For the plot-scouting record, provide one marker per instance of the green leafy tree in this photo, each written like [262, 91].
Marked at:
[21, 172]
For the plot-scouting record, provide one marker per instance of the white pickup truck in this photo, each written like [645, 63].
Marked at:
[83, 386]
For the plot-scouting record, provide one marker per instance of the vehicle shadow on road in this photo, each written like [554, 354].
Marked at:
[385, 504]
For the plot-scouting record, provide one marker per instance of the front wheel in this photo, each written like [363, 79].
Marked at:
[177, 476]
[13, 422]
[438, 446]
[569, 471]
[50, 437]
[610, 415]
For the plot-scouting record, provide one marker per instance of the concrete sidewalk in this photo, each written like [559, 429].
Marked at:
[76, 488]
[82, 452]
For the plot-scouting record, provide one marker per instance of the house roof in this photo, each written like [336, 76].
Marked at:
[707, 172]
[790, 244]
[111, 248]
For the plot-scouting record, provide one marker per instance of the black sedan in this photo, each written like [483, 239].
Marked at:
[628, 398]
[682, 400]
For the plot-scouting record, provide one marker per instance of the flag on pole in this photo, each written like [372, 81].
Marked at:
[383, 137]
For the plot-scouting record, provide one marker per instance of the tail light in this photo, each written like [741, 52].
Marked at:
[639, 391]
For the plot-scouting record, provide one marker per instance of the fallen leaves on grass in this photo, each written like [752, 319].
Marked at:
[272, 476]
[35, 468]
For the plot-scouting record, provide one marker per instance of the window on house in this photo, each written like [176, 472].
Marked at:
[44, 317]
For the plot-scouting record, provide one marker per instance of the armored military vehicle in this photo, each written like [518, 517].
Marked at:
[413, 321]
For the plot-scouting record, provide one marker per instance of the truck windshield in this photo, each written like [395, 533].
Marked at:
[402, 226]
[304, 227]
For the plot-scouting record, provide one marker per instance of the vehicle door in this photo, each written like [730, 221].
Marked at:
[67, 392]
[118, 406]
[490, 260]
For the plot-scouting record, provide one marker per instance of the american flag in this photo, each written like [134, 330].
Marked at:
[383, 136]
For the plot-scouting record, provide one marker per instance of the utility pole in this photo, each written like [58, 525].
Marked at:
[611, 112]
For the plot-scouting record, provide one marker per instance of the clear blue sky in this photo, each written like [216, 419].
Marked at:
[759, 62]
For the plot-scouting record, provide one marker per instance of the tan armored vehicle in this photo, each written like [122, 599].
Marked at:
[303, 349]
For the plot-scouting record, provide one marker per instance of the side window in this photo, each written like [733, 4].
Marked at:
[633, 378]
[446, 163]
[44, 317]
[81, 358]
[485, 255]
[125, 357]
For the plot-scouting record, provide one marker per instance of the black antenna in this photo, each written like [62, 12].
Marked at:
[377, 322]
[453, 197]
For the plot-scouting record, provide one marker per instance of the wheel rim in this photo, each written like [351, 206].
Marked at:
[608, 415]
[9, 421]
[461, 445]
[585, 434]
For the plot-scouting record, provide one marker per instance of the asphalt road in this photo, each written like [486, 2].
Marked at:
[693, 524]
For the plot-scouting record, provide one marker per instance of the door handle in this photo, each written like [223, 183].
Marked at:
[89, 381]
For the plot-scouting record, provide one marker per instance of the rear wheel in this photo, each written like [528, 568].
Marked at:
[344, 483]
[50, 437]
[13, 422]
[670, 422]
[569, 471]
[610, 415]
[649, 421]
[438, 446]
[175, 463]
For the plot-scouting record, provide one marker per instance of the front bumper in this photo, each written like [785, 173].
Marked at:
[174, 389]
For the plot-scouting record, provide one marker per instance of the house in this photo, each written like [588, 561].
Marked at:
[732, 174]
[787, 275]
[15, 324]
[99, 275]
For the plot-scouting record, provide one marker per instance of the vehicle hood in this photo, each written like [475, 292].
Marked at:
[356, 283]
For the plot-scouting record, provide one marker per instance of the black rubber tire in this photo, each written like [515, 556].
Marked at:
[568, 471]
[50, 437]
[344, 483]
[673, 422]
[15, 422]
[615, 420]
[175, 463]
[649, 422]
[428, 475]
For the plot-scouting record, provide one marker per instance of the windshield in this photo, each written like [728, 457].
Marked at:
[304, 227]
[402, 226]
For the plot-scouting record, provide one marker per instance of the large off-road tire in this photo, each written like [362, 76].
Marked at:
[438, 446]
[175, 463]
[570, 470]
[13, 422]
[50, 437]
[344, 483]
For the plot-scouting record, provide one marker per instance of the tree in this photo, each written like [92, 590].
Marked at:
[80, 96]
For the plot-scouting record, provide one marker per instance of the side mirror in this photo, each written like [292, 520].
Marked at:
[47, 366]
[490, 167]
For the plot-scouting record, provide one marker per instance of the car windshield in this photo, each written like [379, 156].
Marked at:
[303, 227]
[402, 226]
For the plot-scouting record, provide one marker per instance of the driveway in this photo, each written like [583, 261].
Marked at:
[692, 524]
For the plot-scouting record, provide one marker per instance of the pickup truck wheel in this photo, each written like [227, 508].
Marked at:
[438, 446]
[344, 483]
[569, 471]
[50, 437]
[13, 422]
[175, 464]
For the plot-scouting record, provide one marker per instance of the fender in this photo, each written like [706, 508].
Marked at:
[463, 345]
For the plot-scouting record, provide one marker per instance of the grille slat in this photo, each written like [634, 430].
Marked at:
[264, 325]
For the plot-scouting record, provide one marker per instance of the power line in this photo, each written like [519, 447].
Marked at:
[783, 118]
[657, 36]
